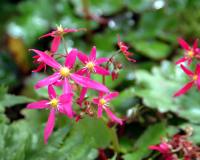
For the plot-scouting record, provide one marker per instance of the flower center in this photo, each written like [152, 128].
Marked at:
[190, 53]
[65, 72]
[54, 103]
[60, 29]
[90, 66]
[195, 77]
[102, 101]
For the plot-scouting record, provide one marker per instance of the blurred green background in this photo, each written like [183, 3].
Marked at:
[149, 27]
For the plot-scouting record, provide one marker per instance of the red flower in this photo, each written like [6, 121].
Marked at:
[164, 149]
[124, 49]
[195, 79]
[57, 35]
[190, 52]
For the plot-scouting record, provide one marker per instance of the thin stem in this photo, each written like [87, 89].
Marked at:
[64, 44]
[115, 140]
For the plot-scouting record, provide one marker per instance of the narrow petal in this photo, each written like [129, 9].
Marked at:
[181, 60]
[49, 125]
[101, 70]
[67, 30]
[112, 116]
[82, 96]
[95, 100]
[102, 60]
[184, 89]
[88, 83]
[184, 44]
[93, 53]
[66, 104]
[187, 71]
[47, 81]
[39, 68]
[51, 92]
[82, 57]
[195, 45]
[197, 69]
[100, 111]
[71, 58]
[46, 35]
[38, 105]
[111, 96]
[82, 71]
[47, 59]
[67, 87]
[55, 44]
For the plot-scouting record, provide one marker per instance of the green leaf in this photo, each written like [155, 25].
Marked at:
[151, 136]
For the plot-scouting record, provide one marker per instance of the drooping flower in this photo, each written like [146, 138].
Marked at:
[124, 49]
[65, 72]
[62, 104]
[41, 65]
[103, 104]
[194, 79]
[164, 149]
[91, 65]
[57, 35]
[190, 52]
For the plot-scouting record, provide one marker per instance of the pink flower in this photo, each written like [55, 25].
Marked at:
[190, 52]
[102, 102]
[57, 35]
[37, 60]
[195, 79]
[62, 104]
[91, 65]
[164, 149]
[65, 72]
[124, 49]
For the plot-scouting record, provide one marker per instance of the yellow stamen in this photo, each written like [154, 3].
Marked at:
[195, 77]
[190, 53]
[54, 103]
[90, 66]
[60, 29]
[65, 72]
[102, 101]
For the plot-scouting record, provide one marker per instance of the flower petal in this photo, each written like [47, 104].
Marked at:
[95, 100]
[47, 81]
[55, 44]
[184, 89]
[93, 53]
[66, 87]
[71, 58]
[101, 60]
[183, 59]
[184, 44]
[198, 82]
[197, 69]
[101, 70]
[112, 116]
[49, 125]
[51, 92]
[40, 67]
[100, 111]
[82, 57]
[38, 105]
[195, 45]
[66, 104]
[82, 71]
[46, 35]
[47, 59]
[68, 30]
[82, 96]
[110, 96]
[88, 83]
[187, 71]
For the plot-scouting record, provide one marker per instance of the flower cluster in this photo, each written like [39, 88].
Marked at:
[179, 147]
[191, 53]
[74, 80]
